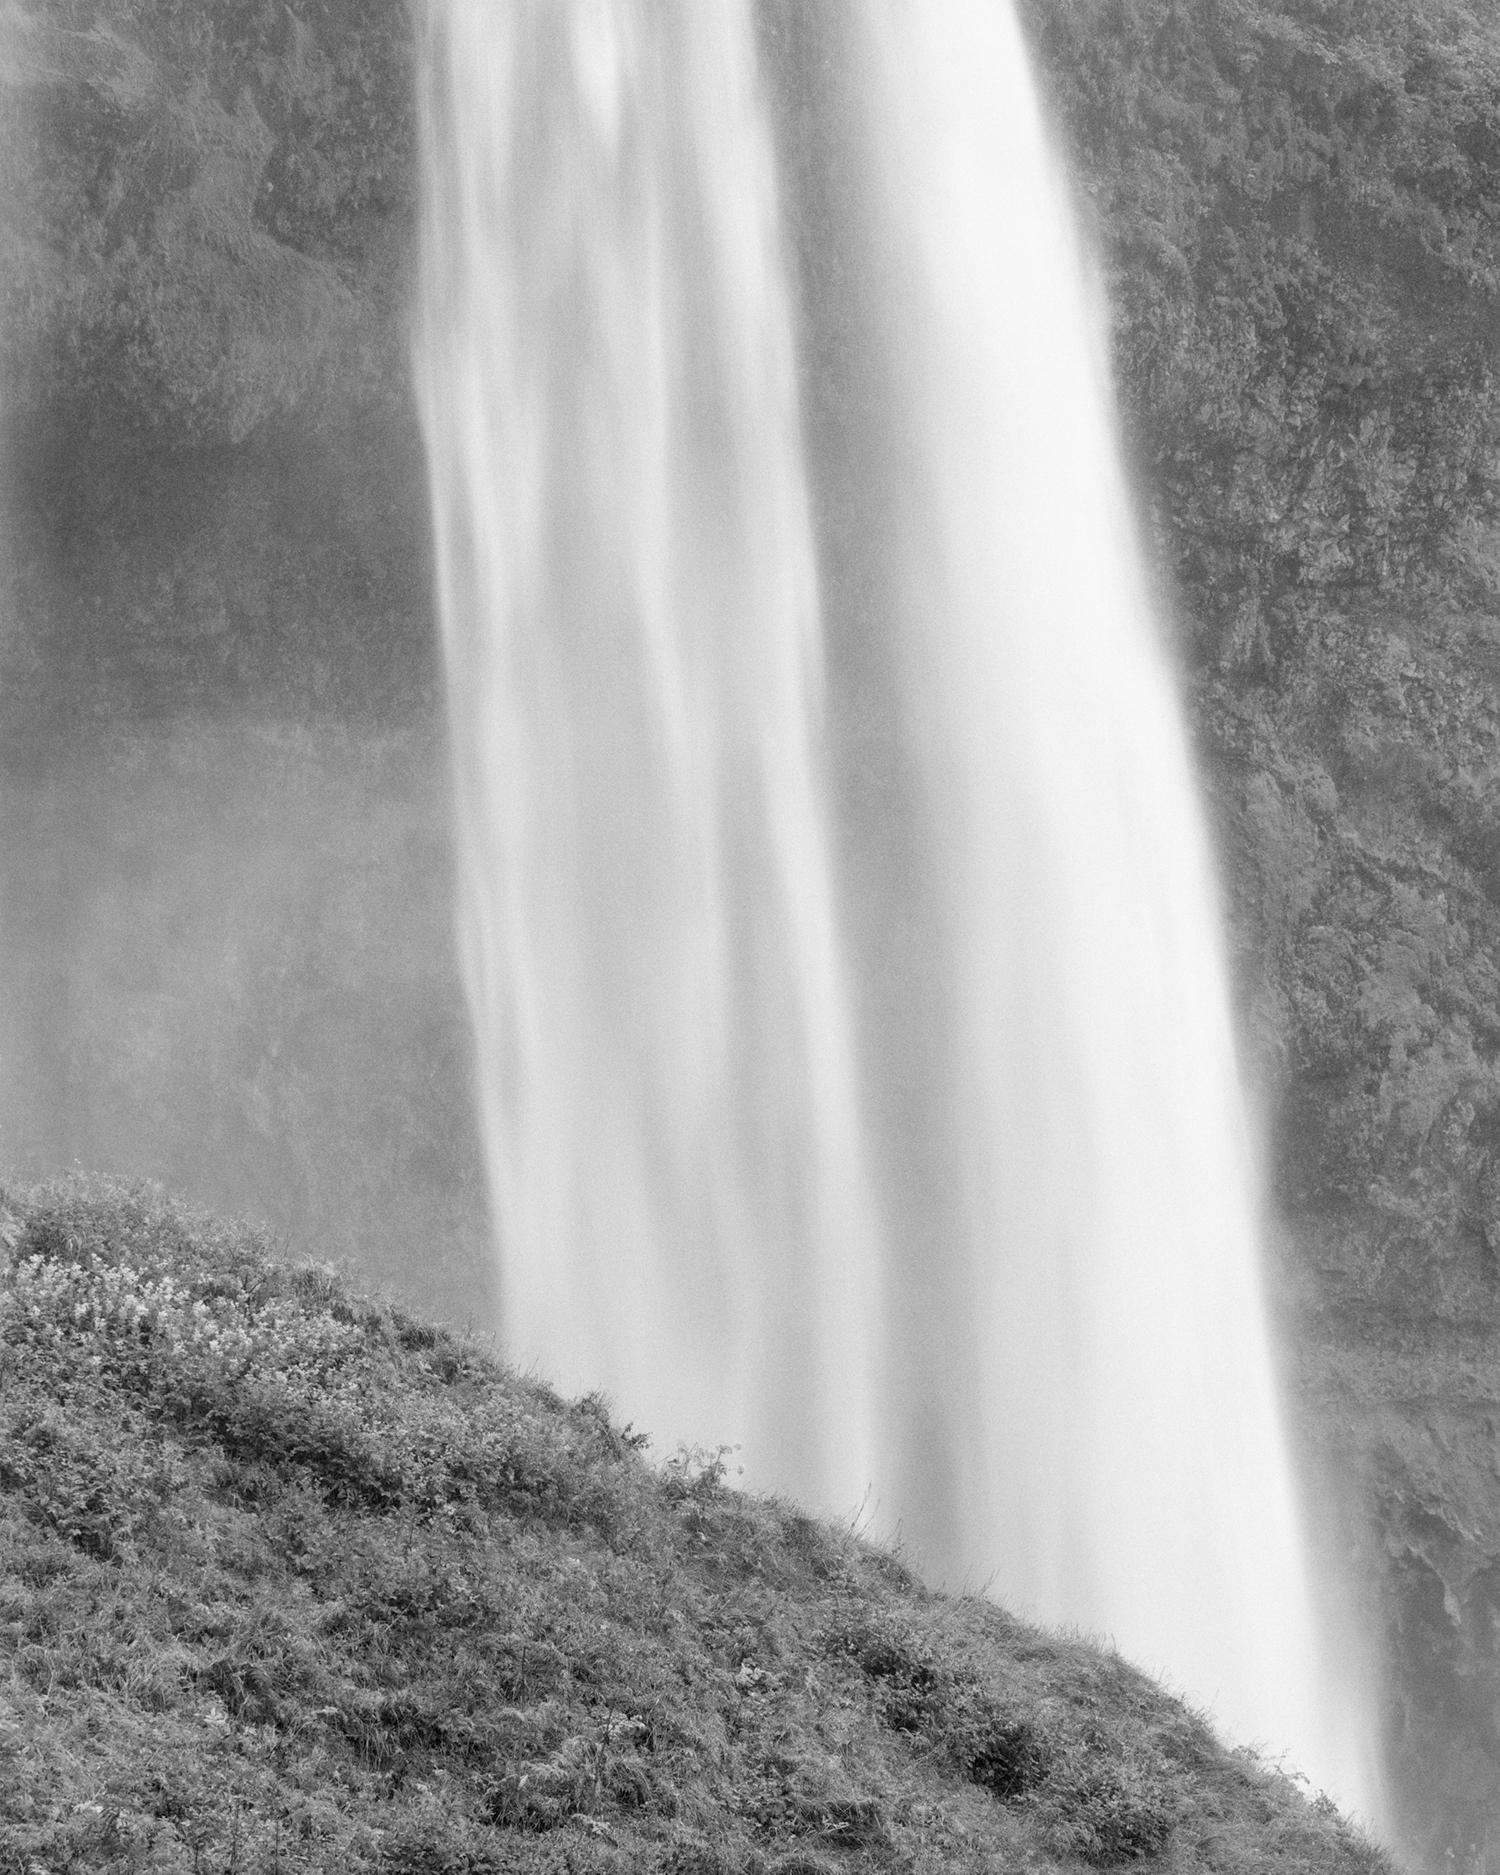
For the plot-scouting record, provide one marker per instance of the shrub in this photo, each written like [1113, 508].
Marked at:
[1009, 1757]
[915, 1690]
[1108, 1806]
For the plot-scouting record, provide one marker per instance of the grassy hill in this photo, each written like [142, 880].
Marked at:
[289, 1580]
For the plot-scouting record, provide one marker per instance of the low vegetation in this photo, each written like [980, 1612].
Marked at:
[289, 1580]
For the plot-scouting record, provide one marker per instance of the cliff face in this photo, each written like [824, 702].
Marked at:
[207, 211]
[203, 347]
[1300, 206]
[222, 737]
[224, 866]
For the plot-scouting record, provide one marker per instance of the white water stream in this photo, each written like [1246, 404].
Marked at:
[926, 1178]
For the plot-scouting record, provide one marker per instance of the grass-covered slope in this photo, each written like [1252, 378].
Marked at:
[291, 1581]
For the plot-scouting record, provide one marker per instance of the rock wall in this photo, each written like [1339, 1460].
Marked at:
[224, 863]
[1299, 203]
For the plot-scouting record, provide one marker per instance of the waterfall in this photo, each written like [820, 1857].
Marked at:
[838, 923]
[629, 599]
